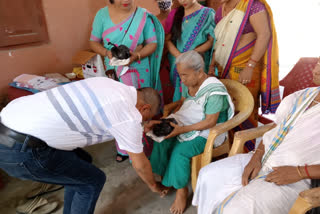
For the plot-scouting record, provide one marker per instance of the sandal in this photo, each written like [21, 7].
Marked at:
[37, 206]
[42, 190]
[46, 209]
[121, 158]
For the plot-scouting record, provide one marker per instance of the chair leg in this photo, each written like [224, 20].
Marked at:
[195, 168]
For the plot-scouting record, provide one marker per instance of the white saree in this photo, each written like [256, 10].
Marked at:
[192, 110]
[299, 147]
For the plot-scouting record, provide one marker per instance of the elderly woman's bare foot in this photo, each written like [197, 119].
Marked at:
[180, 203]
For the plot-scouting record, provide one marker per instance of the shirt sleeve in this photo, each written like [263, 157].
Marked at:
[215, 104]
[149, 32]
[129, 136]
[97, 27]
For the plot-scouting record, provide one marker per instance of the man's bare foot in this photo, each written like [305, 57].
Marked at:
[180, 203]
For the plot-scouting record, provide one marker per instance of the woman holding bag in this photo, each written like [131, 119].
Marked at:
[122, 23]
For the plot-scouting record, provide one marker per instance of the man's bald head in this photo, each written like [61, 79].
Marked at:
[150, 96]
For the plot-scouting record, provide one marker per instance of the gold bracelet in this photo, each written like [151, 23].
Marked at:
[139, 56]
[299, 172]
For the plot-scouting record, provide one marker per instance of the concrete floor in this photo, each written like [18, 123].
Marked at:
[123, 193]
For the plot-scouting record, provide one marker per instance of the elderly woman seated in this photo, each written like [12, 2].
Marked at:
[269, 180]
[205, 103]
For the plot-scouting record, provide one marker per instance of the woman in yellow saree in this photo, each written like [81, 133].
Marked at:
[247, 50]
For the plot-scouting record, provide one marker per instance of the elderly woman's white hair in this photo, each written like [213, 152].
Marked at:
[191, 59]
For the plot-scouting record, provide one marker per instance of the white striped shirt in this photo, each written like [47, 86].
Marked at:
[79, 114]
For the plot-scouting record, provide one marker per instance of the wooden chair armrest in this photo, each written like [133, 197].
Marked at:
[216, 131]
[307, 200]
[312, 196]
[243, 136]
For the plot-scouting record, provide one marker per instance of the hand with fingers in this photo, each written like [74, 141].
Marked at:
[252, 169]
[159, 188]
[108, 54]
[246, 75]
[176, 131]
[211, 71]
[284, 175]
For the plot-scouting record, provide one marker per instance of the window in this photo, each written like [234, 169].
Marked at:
[22, 22]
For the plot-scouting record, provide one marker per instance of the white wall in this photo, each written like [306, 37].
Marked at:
[298, 28]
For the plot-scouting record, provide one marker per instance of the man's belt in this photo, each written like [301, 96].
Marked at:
[9, 137]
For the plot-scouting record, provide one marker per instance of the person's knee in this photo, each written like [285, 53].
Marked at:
[102, 178]
[99, 179]
[204, 173]
[178, 151]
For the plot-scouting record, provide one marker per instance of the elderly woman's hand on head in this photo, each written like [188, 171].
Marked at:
[176, 131]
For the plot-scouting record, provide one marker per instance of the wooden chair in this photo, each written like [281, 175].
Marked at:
[243, 102]
[307, 199]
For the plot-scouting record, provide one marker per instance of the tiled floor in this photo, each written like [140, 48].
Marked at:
[123, 193]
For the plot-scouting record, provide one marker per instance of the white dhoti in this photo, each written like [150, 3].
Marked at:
[300, 146]
[220, 179]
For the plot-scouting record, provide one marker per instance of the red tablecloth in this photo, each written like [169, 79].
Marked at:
[14, 93]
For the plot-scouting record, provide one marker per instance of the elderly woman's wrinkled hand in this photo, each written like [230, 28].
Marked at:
[284, 175]
[251, 170]
[176, 131]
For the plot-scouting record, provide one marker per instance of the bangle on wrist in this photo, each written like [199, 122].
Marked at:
[299, 172]
[250, 65]
[255, 61]
[139, 56]
[307, 172]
